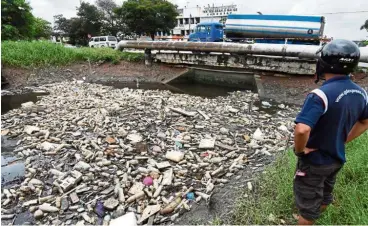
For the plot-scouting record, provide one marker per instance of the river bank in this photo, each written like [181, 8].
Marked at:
[123, 71]
[281, 88]
[47, 63]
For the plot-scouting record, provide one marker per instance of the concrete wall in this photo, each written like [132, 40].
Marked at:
[218, 77]
[248, 62]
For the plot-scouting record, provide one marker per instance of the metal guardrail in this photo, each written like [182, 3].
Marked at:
[301, 51]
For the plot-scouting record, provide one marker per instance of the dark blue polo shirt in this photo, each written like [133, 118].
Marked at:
[331, 111]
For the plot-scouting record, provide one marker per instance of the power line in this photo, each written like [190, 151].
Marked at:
[363, 11]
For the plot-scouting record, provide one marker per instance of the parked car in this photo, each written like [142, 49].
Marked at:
[69, 46]
[103, 41]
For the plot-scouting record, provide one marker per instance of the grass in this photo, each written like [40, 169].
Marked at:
[216, 221]
[43, 53]
[272, 200]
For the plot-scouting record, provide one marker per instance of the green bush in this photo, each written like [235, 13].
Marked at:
[44, 53]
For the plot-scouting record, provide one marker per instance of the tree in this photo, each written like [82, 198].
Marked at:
[16, 19]
[89, 21]
[41, 28]
[223, 20]
[123, 30]
[109, 18]
[77, 34]
[78, 28]
[149, 16]
[364, 26]
[17, 22]
[61, 24]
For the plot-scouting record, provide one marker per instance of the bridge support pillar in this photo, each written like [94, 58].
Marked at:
[148, 57]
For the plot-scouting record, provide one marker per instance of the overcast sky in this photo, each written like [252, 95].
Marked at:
[343, 25]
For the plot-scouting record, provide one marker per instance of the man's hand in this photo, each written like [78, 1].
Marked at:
[309, 150]
[359, 128]
[304, 152]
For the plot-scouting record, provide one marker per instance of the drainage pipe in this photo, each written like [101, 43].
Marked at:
[301, 51]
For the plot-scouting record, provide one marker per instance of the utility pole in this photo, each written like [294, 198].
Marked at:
[213, 11]
[190, 21]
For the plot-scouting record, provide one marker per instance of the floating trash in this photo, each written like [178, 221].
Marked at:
[104, 155]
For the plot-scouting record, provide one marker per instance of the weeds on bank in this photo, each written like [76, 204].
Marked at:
[272, 200]
[44, 53]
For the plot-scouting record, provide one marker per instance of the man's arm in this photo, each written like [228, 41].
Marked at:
[359, 128]
[301, 136]
[312, 110]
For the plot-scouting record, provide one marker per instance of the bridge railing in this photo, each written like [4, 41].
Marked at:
[301, 51]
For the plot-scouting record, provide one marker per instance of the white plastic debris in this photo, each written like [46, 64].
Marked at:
[28, 104]
[224, 130]
[207, 144]
[266, 104]
[82, 166]
[162, 165]
[134, 138]
[35, 181]
[283, 128]
[46, 207]
[30, 129]
[258, 135]
[265, 152]
[136, 188]
[149, 211]
[168, 177]
[175, 156]
[126, 220]
[47, 146]
[233, 110]
[250, 186]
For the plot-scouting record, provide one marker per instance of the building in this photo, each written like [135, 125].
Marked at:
[189, 17]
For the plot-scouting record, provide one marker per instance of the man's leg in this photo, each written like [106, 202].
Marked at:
[328, 188]
[303, 221]
[323, 208]
[308, 193]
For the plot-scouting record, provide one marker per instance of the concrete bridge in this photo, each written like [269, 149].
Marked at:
[291, 59]
[237, 61]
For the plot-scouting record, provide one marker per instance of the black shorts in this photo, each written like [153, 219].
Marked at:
[313, 185]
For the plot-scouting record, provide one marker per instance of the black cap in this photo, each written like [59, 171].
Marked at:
[339, 57]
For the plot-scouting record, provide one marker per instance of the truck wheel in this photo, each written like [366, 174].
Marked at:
[92, 46]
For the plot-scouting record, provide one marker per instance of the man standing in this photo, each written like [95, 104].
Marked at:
[332, 115]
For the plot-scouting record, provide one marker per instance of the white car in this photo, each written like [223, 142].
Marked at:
[103, 41]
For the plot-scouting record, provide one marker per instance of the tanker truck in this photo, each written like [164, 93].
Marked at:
[278, 29]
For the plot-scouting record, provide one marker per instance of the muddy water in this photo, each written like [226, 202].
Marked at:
[12, 170]
[9, 102]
